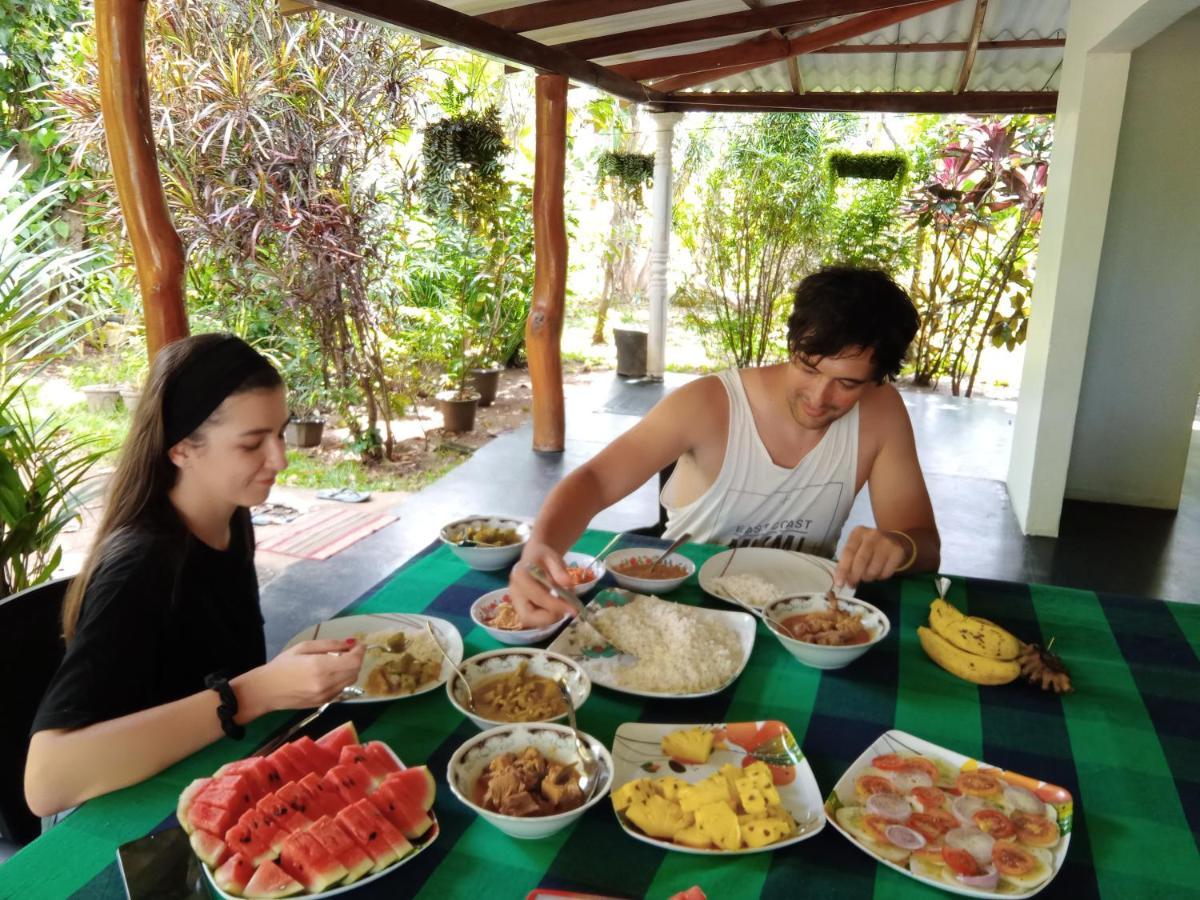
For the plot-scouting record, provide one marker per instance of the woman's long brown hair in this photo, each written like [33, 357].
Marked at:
[138, 491]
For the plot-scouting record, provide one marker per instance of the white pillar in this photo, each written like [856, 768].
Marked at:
[660, 241]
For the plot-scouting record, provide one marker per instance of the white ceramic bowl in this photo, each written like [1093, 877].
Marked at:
[556, 742]
[487, 559]
[484, 608]
[820, 656]
[581, 560]
[499, 662]
[648, 585]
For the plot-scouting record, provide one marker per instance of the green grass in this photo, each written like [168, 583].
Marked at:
[308, 470]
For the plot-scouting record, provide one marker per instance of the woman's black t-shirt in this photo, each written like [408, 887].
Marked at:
[160, 613]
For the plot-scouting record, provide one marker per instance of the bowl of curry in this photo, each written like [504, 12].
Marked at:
[517, 685]
[495, 614]
[635, 570]
[825, 631]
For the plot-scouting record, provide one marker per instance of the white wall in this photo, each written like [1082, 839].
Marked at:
[1142, 371]
[1100, 34]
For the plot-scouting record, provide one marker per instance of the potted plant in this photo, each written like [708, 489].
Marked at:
[459, 401]
[305, 426]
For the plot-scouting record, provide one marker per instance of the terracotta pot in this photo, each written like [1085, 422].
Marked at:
[486, 381]
[458, 410]
[101, 397]
[631, 352]
[304, 432]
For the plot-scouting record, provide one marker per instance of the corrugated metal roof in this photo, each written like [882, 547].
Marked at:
[994, 70]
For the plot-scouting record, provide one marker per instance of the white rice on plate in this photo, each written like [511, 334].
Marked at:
[748, 589]
[679, 649]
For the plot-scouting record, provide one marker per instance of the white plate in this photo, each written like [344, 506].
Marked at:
[791, 572]
[577, 637]
[352, 626]
[428, 838]
[636, 747]
[905, 744]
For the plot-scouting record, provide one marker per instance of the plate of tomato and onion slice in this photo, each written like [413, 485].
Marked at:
[951, 821]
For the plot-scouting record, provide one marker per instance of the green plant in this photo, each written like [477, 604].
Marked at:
[625, 173]
[464, 173]
[891, 165]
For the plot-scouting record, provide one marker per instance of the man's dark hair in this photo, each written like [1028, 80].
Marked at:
[841, 306]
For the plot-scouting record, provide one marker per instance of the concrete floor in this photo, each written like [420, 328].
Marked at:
[964, 448]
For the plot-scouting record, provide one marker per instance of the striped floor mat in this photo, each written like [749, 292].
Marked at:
[322, 533]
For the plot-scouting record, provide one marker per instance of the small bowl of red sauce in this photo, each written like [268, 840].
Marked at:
[824, 636]
[584, 576]
[634, 570]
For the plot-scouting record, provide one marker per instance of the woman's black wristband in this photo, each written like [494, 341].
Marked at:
[229, 705]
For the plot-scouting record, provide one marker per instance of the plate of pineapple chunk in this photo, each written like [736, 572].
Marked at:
[728, 788]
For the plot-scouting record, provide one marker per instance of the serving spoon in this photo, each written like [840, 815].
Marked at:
[675, 545]
[348, 693]
[587, 760]
[457, 670]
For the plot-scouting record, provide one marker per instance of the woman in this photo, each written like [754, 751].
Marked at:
[165, 649]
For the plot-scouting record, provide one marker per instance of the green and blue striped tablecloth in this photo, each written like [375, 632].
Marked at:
[1126, 744]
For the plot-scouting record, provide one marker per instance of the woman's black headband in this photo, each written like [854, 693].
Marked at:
[203, 383]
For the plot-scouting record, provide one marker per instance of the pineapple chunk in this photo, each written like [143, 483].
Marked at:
[669, 786]
[713, 789]
[658, 817]
[764, 832]
[631, 792]
[693, 836]
[693, 745]
[759, 774]
[751, 797]
[720, 823]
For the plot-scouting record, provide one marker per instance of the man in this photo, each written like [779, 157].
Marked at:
[772, 456]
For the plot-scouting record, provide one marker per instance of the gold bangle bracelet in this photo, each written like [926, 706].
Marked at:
[912, 559]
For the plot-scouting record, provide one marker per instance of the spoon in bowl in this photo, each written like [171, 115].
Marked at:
[588, 777]
[675, 544]
[457, 670]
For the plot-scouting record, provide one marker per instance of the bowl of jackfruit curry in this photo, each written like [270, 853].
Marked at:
[524, 779]
[517, 685]
[486, 543]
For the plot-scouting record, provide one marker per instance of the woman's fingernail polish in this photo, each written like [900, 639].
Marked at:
[350, 642]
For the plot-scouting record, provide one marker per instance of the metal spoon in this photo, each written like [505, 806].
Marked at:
[599, 556]
[348, 693]
[675, 544]
[582, 611]
[457, 670]
[587, 760]
[394, 643]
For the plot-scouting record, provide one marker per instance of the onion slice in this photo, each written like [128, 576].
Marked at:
[978, 843]
[965, 807]
[986, 881]
[892, 807]
[911, 778]
[904, 837]
[1026, 801]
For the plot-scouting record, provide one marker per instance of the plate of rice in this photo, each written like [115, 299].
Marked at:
[753, 577]
[669, 649]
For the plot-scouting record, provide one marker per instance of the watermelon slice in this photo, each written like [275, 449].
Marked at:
[212, 819]
[417, 784]
[320, 759]
[348, 852]
[356, 754]
[306, 860]
[383, 757]
[299, 759]
[186, 797]
[378, 821]
[281, 812]
[371, 839]
[404, 812]
[270, 881]
[288, 770]
[338, 738]
[299, 799]
[326, 800]
[231, 792]
[209, 848]
[351, 782]
[234, 874]
[253, 837]
[257, 772]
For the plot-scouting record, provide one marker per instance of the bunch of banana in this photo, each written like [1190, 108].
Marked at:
[969, 647]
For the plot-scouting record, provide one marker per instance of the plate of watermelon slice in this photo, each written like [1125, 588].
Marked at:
[314, 818]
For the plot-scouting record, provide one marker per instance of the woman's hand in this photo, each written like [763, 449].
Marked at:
[535, 606]
[302, 676]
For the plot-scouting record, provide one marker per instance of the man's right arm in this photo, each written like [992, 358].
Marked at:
[668, 431]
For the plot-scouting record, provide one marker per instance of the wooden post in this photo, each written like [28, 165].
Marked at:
[543, 330]
[125, 103]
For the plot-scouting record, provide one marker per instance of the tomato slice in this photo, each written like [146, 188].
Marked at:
[889, 762]
[1012, 859]
[995, 823]
[1037, 831]
[932, 824]
[930, 798]
[979, 784]
[921, 764]
[962, 862]
[876, 827]
[873, 784]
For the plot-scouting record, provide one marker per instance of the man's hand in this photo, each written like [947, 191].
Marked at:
[535, 606]
[871, 555]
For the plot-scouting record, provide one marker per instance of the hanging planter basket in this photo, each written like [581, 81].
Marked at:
[881, 166]
[625, 173]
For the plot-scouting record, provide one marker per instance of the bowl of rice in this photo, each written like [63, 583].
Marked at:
[632, 570]
[495, 614]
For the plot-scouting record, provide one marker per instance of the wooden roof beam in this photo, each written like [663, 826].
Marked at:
[863, 101]
[440, 23]
[964, 76]
[793, 66]
[945, 46]
[782, 15]
[552, 13]
[692, 69]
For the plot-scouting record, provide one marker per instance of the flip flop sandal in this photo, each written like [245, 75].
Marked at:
[344, 495]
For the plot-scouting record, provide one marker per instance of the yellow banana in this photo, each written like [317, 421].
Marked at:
[972, 634]
[977, 669]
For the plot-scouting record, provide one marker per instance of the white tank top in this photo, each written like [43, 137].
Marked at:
[755, 502]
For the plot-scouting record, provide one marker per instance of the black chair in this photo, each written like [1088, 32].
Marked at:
[32, 647]
[656, 530]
